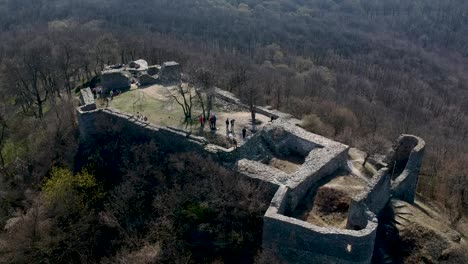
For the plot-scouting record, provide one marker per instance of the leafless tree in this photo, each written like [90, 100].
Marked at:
[3, 138]
[184, 98]
[33, 75]
[205, 79]
[372, 145]
[250, 95]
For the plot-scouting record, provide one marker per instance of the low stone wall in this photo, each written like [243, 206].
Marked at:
[231, 98]
[374, 198]
[302, 242]
[404, 185]
[257, 170]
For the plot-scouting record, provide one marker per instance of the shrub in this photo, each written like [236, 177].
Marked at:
[313, 124]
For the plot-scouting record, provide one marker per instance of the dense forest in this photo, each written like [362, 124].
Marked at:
[359, 71]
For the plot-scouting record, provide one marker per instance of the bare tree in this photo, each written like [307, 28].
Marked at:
[238, 77]
[184, 98]
[249, 94]
[3, 138]
[205, 79]
[372, 145]
[32, 74]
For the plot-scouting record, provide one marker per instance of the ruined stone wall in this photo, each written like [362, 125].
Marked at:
[318, 165]
[87, 120]
[284, 143]
[296, 240]
[302, 242]
[94, 122]
[404, 185]
[230, 98]
[116, 79]
[170, 72]
[86, 97]
[374, 198]
[146, 79]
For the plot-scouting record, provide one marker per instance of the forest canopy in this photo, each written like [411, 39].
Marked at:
[356, 71]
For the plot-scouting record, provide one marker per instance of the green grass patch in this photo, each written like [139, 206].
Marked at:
[166, 113]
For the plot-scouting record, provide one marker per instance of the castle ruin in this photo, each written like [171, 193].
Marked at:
[316, 163]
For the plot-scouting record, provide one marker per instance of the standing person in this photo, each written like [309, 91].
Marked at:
[227, 125]
[244, 133]
[232, 125]
[202, 121]
[214, 121]
[98, 93]
[211, 122]
[111, 94]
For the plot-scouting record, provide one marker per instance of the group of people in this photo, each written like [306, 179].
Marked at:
[231, 131]
[141, 117]
[230, 125]
[101, 94]
[212, 121]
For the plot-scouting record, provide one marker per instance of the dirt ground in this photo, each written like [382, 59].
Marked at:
[426, 235]
[355, 160]
[284, 165]
[158, 92]
[331, 203]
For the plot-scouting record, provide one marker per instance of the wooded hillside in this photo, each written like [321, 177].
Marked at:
[359, 71]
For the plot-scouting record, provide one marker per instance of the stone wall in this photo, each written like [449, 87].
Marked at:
[93, 122]
[87, 122]
[170, 72]
[296, 240]
[86, 96]
[410, 149]
[284, 143]
[153, 70]
[302, 242]
[146, 79]
[231, 98]
[374, 198]
[116, 79]
[318, 165]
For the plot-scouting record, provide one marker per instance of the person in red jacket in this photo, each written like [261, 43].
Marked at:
[202, 121]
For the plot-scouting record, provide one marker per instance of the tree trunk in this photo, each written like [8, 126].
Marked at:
[254, 122]
[365, 160]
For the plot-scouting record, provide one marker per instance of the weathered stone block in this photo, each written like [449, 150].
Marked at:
[116, 79]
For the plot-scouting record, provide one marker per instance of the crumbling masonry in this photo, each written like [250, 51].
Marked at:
[296, 240]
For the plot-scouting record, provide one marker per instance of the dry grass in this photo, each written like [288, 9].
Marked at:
[331, 203]
[284, 165]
